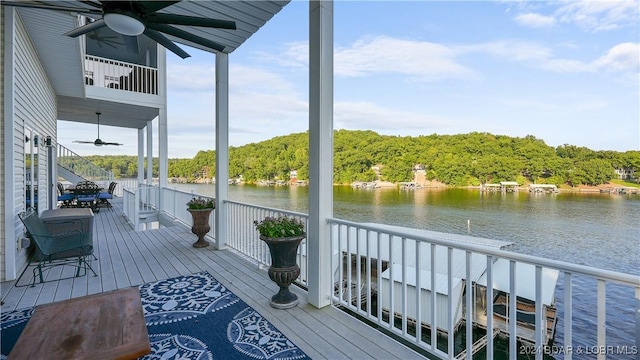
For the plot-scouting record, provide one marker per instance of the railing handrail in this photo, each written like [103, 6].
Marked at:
[286, 212]
[64, 152]
[619, 277]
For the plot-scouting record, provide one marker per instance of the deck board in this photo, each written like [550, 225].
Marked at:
[130, 258]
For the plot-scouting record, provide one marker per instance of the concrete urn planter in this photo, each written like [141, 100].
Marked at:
[284, 268]
[200, 225]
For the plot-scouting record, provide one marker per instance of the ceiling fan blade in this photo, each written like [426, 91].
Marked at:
[162, 40]
[131, 43]
[167, 29]
[152, 6]
[111, 143]
[35, 5]
[190, 20]
[83, 142]
[98, 24]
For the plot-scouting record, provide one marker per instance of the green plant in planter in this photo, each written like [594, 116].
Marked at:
[201, 203]
[281, 226]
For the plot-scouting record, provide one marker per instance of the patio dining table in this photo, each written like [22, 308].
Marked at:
[72, 189]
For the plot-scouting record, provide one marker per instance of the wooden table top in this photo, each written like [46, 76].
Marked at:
[108, 325]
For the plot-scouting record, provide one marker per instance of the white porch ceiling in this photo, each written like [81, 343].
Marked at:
[61, 55]
[113, 114]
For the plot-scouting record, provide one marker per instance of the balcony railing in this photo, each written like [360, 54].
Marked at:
[244, 237]
[141, 202]
[174, 204]
[377, 271]
[81, 166]
[114, 74]
[390, 263]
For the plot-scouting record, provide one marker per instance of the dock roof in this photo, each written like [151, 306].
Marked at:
[391, 251]
[525, 280]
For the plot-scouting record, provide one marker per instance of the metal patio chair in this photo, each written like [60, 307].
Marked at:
[70, 248]
[65, 197]
[105, 196]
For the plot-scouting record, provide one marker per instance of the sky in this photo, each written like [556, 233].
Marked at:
[566, 72]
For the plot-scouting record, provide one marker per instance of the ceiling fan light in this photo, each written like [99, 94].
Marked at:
[125, 24]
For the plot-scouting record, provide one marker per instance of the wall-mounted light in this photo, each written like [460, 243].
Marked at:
[48, 141]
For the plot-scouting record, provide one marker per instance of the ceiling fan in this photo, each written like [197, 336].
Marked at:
[97, 142]
[133, 18]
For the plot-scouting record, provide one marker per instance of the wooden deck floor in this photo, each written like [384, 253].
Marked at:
[129, 258]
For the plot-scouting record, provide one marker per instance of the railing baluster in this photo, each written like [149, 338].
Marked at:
[358, 272]
[349, 268]
[341, 264]
[513, 351]
[602, 318]
[369, 275]
[568, 320]
[379, 273]
[489, 300]
[434, 301]
[540, 323]
[469, 298]
[404, 286]
[392, 283]
[418, 247]
[450, 310]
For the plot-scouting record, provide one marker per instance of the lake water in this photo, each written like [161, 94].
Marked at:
[593, 229]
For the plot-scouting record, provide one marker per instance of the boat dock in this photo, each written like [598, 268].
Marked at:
[543, 188]
[397, 274]
[503, 186]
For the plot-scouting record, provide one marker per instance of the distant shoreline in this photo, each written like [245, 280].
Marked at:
[431, 185]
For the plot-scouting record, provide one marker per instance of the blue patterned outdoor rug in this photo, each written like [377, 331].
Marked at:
[191, 317]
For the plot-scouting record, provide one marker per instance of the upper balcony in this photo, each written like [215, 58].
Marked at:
[109, 79]
[122, 69]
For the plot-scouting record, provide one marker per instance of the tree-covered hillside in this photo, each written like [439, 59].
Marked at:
[459, 160]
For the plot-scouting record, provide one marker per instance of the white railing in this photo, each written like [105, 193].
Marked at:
[412, 259]
[174, 204]
[385, 265]
[124, 183]
[139, 202]
[81, 166]
[244, 238]
[114, 74]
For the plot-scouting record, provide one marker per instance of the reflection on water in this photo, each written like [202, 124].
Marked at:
[592, 229]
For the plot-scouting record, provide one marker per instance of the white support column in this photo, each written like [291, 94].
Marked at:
[149, 152]
[320, 150]
[8, 183]
[163, 137]
[140, 156]
[222, 149]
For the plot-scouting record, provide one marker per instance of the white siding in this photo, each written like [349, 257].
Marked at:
[34, 108]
